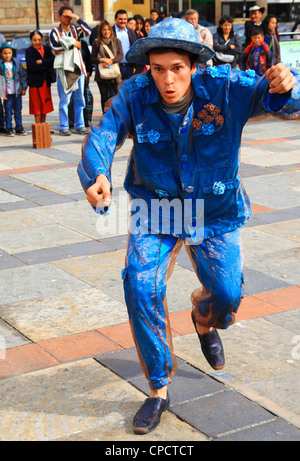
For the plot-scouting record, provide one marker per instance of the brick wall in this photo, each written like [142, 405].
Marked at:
[56, 6]
[22, 12]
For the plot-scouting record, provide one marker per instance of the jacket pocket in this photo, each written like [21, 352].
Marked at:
[153, 153]
[212, 147]
[220, 202]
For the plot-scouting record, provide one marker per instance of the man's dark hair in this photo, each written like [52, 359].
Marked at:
[256, 31]
[120, 12]
[193, 57]
[64, 8]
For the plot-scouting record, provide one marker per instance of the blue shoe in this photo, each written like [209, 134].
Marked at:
[148, 416]
[212, 348]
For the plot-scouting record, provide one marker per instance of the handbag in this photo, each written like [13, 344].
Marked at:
[225, 57]
[113, 71]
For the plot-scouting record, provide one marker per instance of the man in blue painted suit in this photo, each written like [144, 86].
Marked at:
[186, 121]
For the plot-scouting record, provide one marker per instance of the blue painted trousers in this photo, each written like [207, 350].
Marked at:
[218, 263]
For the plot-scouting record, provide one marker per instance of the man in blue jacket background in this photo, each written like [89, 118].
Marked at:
[186, 122]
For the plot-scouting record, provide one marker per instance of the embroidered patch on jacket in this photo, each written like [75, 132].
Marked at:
[142, 81]
[217, 71]
[153, 136]
[207, 119]
[248, 79]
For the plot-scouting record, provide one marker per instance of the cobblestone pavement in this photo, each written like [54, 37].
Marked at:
[68, 366]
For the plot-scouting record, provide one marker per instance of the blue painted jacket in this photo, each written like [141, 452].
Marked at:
[195, 156]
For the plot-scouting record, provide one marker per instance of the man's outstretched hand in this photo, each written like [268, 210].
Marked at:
[99, 193]
[281, 79]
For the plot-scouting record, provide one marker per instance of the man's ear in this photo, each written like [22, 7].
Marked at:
[194, 68]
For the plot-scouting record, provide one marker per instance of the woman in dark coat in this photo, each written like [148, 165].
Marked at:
[39, 61]
[106, 38]
[271, 32]
[226, 43]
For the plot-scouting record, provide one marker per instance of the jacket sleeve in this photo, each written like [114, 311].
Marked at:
[206, 37]
[222, 48]
[238, 44]
[254, 92]
[94, 54]
[286, 106]
[23, 77]
[54, 41]
[104, 139]
[243, 60]
[119, 55]
[83, 30]
[48, 59]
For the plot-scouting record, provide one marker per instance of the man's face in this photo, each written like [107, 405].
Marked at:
[257, 39]
[154, 15]
[193, 19]
[65, 18]
[172, 74]
[121, 21]
[255, 16]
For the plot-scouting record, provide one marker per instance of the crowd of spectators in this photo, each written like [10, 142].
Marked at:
[69, 63]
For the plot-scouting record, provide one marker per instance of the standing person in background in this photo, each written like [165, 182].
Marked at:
[154, 15]
[88, 96]
[296, 27]
[148, 23]
[204, 34]
[65, 42]
[131, 23]
[100, 54]
[16, 85]
[271, 30]
[2, 39]
[140, 25]
[227, 44]
[255, 13]
[127, 38]
[257, 56]
[39, 62]
[2, 120]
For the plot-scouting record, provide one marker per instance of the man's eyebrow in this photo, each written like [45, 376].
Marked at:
[162, 65]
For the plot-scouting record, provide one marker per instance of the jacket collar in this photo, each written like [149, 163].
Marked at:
[151, 96]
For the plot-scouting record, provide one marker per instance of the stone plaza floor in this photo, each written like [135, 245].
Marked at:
[68, 367]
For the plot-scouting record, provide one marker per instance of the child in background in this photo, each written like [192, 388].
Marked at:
[257, 56]
[16, 84]
[2, 97]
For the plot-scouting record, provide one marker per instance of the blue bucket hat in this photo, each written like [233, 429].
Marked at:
[169, 33]
[6, 45]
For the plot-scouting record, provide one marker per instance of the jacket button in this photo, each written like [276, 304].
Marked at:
[183, 165]
[189, 189]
